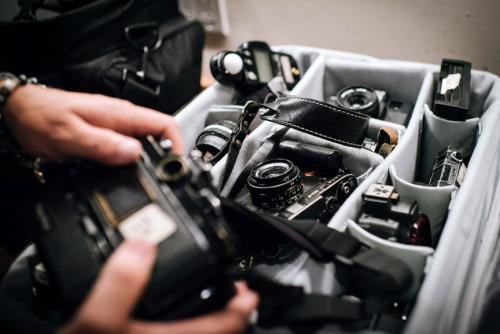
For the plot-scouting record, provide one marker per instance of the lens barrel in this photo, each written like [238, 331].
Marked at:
[274, 183]
[213, 138]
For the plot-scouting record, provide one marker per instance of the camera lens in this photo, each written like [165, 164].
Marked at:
[213, 138]
[274, 183]
[360, 99]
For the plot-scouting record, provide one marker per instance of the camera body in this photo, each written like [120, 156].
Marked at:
[452, 96]
[392, 217]
[450, 166]
[254, 64]
[372, 102]
[299, 181]
[84, 214]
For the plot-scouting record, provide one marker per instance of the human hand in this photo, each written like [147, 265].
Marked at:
[57, 125]
[108, 307]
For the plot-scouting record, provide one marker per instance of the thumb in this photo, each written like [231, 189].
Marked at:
[117, 290]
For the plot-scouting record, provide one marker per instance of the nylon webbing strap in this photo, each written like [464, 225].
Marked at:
[392, 274]
[282, 304]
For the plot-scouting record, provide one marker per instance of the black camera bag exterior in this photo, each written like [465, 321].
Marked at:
[87, 49]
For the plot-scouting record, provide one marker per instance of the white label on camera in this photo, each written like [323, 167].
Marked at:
[450, 82]
[150, 222]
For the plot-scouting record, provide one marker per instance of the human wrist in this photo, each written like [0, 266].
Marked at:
[9, 85]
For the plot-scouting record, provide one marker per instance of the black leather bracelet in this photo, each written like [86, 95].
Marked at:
[8, 84]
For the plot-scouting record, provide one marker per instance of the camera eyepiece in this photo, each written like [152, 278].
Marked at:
[274, 183]
[171, 169]
[360, 99]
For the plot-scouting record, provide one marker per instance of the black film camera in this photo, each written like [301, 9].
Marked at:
[83, 215]
[374, 103]
[392, 217]
[450, 166]
[254, 64]
[300, 181]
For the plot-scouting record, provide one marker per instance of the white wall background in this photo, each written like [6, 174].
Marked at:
[417, 30]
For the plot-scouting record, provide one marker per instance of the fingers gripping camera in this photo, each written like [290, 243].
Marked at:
[85, 213]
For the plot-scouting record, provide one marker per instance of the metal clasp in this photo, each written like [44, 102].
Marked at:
[146, 49]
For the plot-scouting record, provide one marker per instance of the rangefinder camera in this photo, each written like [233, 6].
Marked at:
[390, 216]
[82, 216]
[372, 102]
[301, 181]
[450, 166]
[254, 64]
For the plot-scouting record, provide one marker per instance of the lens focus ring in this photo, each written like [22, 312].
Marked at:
[274, 183]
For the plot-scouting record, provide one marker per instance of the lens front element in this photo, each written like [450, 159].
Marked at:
[274, 183]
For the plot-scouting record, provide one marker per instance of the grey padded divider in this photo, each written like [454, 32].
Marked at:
[440, 303]
[437, 133]
[414, 256]
[432, 201]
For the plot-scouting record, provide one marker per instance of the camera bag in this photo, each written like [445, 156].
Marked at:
[450, 282]
[144, 51]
